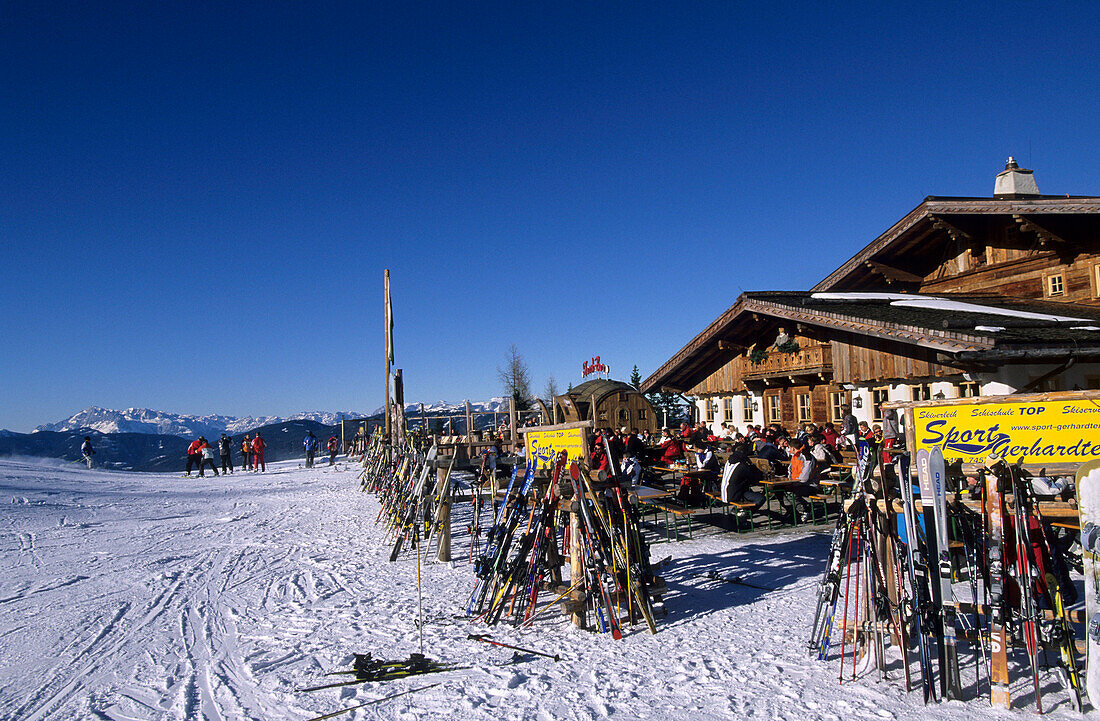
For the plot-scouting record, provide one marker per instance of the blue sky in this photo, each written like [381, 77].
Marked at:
[198, 200]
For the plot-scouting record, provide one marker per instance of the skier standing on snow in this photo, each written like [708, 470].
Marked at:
[333, 446]
[246, 452]
[310, 444]
[194, 456]
[206, 455]
[86, 451]
[225, 448]
[258, 447]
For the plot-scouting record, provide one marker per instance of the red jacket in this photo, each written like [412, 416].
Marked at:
[194, 448]
[673, 450]
[258, 445]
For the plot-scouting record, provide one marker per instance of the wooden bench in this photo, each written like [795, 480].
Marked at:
[675, 513]
[739, 505]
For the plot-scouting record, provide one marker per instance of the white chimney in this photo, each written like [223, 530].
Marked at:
[1014, 182]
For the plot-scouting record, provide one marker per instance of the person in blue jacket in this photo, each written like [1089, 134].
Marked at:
[310, 443]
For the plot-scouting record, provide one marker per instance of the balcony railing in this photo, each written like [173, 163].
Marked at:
[806, 361]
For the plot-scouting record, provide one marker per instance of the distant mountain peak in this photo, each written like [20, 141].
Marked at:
[147, 420]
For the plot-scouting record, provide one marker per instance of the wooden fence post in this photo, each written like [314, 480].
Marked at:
[442, 489]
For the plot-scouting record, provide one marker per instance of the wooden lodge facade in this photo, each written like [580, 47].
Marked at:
[608, 403]
[961, 297]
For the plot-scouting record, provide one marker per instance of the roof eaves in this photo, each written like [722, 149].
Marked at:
[933, 205]
[657, 378]
[944, 340]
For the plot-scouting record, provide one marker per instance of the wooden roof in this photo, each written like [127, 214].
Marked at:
[928, 325]
[916, 242]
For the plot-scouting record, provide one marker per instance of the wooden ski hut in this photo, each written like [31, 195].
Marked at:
[608, 403]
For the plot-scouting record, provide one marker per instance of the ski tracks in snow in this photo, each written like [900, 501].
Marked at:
[150, 625]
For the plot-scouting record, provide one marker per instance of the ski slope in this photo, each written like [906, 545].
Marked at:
[153, 596]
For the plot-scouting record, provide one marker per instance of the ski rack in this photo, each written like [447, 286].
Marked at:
[957, 578]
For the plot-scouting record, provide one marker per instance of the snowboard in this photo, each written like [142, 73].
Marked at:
[1088, 500]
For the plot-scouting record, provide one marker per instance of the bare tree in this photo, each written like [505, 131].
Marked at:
[516, 379]
[550, 391]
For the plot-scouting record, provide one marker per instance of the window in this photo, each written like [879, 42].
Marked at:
[712, 410]
[727, 409]
[641, 414]
[837, 401]
[746, 409]
[920, 392]
[1055, 285]
[803, 407]
[878, 397]
[775, 411]
[1049, 385]
[969, 390]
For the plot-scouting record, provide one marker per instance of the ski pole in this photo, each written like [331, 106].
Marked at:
[371, 703]
[531, 618]
[485, 638]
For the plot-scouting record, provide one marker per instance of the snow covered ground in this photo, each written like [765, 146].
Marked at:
[152, 596]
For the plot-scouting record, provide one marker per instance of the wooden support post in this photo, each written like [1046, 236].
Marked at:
[576, 564]
[389, 354]
[513, 424]
[442, 489]
[469, 422]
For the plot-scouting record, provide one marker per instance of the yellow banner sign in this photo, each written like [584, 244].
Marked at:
[544, 446]
[1038, 431]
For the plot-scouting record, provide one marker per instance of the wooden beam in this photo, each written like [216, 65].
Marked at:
[954, 232]
[1030, 226]
[730, 345]
[891, 274]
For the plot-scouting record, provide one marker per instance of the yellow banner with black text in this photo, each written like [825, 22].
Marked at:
[544, 446]
[1048, 431]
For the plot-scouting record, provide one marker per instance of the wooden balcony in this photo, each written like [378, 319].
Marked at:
[816, 360]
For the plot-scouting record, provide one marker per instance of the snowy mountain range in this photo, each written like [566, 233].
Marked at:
[145, 420]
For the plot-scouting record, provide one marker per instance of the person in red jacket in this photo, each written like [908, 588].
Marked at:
[194, 456]
[332, 446]
[672, 449]
[258, 447]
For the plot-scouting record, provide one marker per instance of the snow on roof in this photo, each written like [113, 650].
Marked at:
[861, 296]
[931, 302]
[989, 328]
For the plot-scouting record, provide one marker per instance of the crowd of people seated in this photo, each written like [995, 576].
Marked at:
[804, 456]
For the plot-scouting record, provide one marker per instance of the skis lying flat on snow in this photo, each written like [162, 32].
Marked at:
[737, 581]
[349, 709]
[365, 669]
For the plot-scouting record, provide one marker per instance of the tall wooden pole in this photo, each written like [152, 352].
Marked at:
[389, 353]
